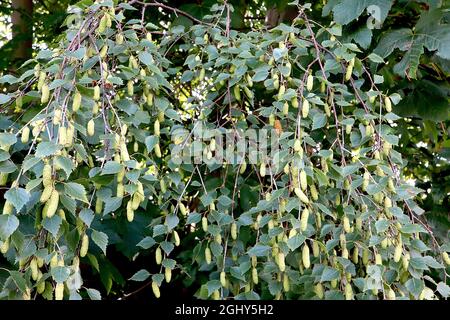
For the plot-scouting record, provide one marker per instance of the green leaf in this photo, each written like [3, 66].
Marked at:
[172, 114]
[19, 281]
[87, 216]
[325, 210]
[94, 294]
[158, 278]
[44, 54]
[150, 142]
[296, 241]
[18, 197]
[56, 83]
[78, 54]
[69, 203]
[443, 289]
[212, 286]
[428, 33]
[111, 167]
[146, 58]
[100, 239]
[405, 192]
[418, 263]
[216, 249]
[225, 201]
[45, 149]
[32, 184]
[161, 103]
[169, 263]
[436, 33]
[76, 191]
[278, 53]
[321, 177]
[60, 274]
[52, 224]
[412, 228]
[260, 76]
[112, 204]
[65, 163]
[4, 155]
[274, 287]
[193, 217]
[7, 139]
[382, 225]
[348, 10]
[29, 163]
[159, 230]
[172, 221]
[377, 79]
[415, 286]
[167, 246]
[259, 250]
[141, 275]
[375, 58]
[390, 138]
[126, 6]
[188, 75]
[146, 243]
[4, 98]
[93, 261]
[432, 263]
[374, 188]
[7, 166]
[350, 169]
[319, 121]
[8, 79]
[361, 35]
[8, 224]
[329, 274]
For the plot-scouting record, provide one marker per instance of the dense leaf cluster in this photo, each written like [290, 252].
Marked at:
[327, 215]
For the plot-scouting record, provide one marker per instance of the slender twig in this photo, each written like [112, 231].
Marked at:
[175, 10]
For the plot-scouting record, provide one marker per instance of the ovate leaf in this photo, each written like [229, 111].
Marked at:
[76, 191]
[100, 239]
[329, 274]
[45, 149]
[19, 281]
[348, 10]
[259, 250]
[146, 243]
[94, 294]
[141, 275]
[415, 286]
[4, 98]
[87, 215]
[443, 289]
[8, 224]
[65, 164]
[52, 224]
[60, 274]
[18, 197]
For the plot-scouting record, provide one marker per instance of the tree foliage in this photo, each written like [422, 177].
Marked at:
[88, 161]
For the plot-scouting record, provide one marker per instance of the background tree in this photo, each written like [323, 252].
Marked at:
[22, 27]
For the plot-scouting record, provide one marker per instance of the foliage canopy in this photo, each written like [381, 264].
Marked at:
[88, 158]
